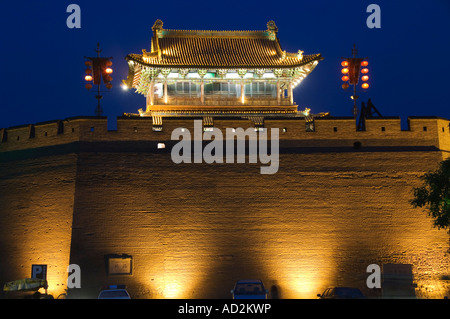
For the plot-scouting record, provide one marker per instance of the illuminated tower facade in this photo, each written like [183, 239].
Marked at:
[217, 73]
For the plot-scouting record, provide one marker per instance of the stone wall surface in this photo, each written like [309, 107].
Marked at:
[84, 193]
[36, 209]
[194, 229]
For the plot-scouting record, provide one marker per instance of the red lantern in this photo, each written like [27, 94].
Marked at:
[344, 63]
[365, 77]
[345, 86]
[365, 86]
[345, 78]
[88, 71]
[88, 78]
[88, 86]
[344, 71]
[365, 70]
[109, 71]
[364, 63]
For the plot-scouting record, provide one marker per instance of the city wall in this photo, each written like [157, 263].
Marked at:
[76, 192]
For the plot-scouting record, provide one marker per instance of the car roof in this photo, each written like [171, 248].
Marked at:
[342, 287]
[249, 281]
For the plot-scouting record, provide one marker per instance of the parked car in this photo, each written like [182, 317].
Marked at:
[341, 293]
[114, 292]
[249, 289]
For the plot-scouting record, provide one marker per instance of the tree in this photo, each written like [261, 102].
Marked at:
[434, 195]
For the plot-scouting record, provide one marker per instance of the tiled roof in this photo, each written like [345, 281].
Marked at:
[219, 49]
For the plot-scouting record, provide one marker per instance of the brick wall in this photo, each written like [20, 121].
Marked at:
[194, 229]
[36, 208]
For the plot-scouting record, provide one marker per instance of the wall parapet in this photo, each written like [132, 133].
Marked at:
[427, 131]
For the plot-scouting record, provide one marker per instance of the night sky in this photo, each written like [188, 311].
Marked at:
[43, 60]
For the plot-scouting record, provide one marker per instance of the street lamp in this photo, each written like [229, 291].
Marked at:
[98, 69]
[352, 68]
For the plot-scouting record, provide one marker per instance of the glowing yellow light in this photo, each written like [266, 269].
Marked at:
[365, 70]
[88, 78]
[344, 63]
[365, 77]
[344, 71]
[109, 70]
[365, 85]
[306, 111]
[172, 290]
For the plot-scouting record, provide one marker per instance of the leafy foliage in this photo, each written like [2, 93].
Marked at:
[434, 195]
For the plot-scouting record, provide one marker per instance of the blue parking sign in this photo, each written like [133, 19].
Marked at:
[39, 271]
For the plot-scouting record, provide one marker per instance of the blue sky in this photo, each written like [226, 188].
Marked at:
[43, 60]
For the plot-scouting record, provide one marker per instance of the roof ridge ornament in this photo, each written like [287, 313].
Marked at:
[271, 26]
[272, 30]
[158, 25]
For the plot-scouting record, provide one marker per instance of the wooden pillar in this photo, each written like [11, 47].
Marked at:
[165, 92]
[147, 109]
[278, 92]
[151, 95]
[291, 96]
[152, 92]
[202, 92]
[242, 92]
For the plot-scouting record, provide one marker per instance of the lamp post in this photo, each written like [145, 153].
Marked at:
[352, 69]
[98, 69]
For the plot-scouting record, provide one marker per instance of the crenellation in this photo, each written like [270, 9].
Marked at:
[331, 131]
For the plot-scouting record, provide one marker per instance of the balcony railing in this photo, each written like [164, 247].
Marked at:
[223, 101]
